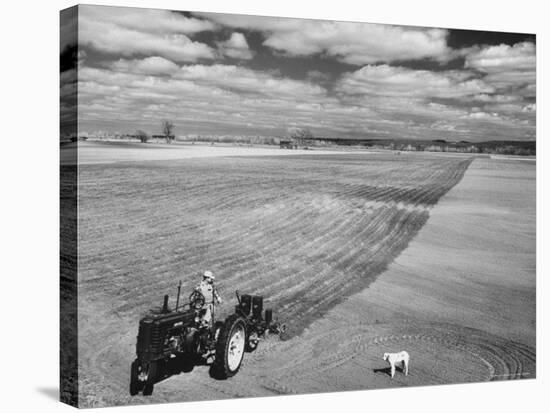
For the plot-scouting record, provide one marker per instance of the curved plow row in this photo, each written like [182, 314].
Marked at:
[304, 232]
[497, 358]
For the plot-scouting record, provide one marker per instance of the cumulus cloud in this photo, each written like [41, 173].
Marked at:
[249, 81]
[353, 43]
[520, 56]
[511, 71]
[482, 115]
[130, 32]
[236, 47]
[229, 97]
[218, 97]
[144, 65]
[384, 80]
[153, 65]
[146, 20]
[505, 66]
[459, 103]
[496, 98]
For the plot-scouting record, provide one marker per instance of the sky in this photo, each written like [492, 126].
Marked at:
[222, 74]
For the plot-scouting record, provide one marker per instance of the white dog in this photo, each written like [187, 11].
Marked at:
[394, 358]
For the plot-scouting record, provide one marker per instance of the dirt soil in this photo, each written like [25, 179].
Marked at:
[459, 297]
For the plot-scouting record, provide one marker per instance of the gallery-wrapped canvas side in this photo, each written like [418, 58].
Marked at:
[68, 207]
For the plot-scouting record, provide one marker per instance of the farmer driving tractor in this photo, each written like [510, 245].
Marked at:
[211, 297]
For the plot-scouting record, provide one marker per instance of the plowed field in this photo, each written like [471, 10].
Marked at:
[305, 231]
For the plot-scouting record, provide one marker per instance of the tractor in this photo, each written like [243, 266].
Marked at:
[173, 341]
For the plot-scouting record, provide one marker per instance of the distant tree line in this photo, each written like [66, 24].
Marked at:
[167, 130]
[304, 137]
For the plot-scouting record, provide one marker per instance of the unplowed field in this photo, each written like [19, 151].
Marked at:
[304, 231]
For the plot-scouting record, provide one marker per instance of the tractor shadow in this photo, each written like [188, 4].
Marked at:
[215, 373]
[174, 367]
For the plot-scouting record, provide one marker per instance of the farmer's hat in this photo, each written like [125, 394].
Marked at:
[208, 275]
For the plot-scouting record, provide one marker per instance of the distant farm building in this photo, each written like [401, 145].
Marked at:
[287, 144]
[169, 137]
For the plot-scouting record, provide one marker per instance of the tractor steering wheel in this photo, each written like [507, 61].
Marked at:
[197, 300]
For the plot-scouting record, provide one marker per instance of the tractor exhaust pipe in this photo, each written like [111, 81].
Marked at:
[165, 305]
[178, 299]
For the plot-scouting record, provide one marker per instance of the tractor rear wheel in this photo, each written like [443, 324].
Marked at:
[230, 347]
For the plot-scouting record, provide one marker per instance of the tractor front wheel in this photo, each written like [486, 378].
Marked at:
[150, 382]
[135, 385]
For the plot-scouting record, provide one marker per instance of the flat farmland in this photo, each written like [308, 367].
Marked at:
[358, 253]
[305, 231]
